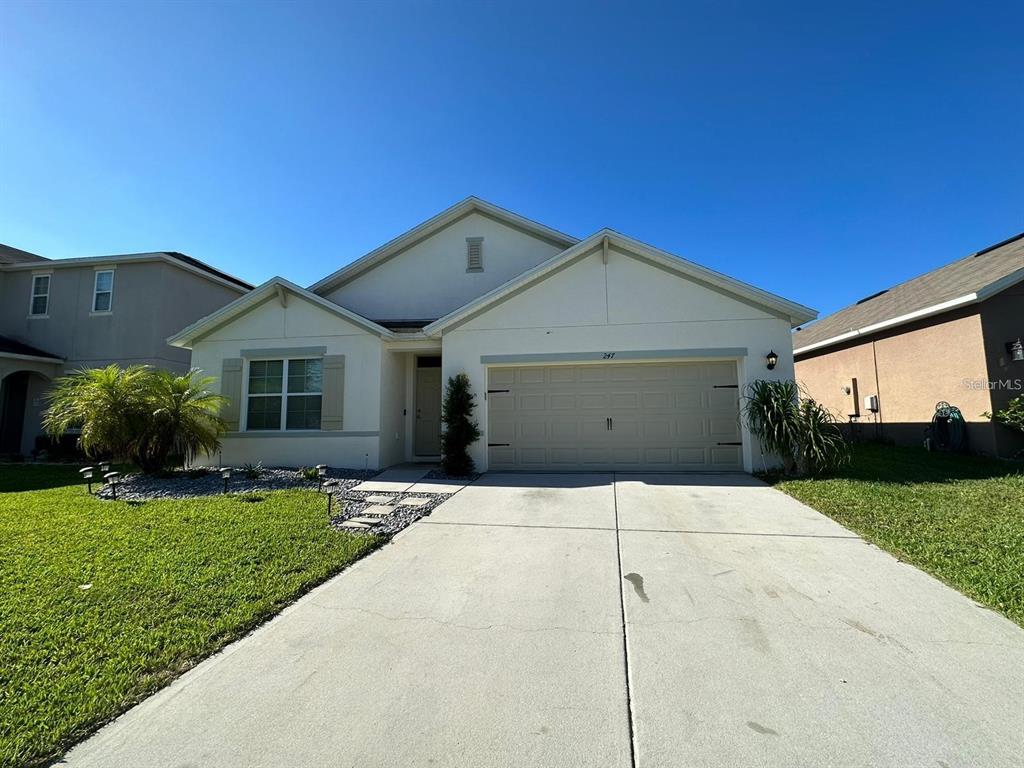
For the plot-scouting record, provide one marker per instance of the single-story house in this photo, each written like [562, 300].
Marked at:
[603, 353]
[953, 335]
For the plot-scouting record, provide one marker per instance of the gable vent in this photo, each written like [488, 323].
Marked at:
[474, 254]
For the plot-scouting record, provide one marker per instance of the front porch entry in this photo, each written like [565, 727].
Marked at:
[427, 423]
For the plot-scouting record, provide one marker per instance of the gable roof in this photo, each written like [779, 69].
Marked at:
[9, 255]
[796, 313]
[275, 286]
[179, 260]
[430, 226]
[967, 281]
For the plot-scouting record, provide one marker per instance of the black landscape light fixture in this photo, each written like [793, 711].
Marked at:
[225, 472]
[105, 467]
[87, 473]
[1016, 350]
[330, 488]
[772, 359]
[112, 479]
[321, 473]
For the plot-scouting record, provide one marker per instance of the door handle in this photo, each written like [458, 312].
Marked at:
[608, 423]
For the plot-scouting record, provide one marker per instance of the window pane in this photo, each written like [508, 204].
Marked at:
[104, 281]
[304, 412]
[40, 285]
[102, 303]
[305, 375]
[39, 305]
[264, 413]
[265, 376]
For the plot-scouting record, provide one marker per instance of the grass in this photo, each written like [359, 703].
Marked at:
[171, 582]
[960, 518]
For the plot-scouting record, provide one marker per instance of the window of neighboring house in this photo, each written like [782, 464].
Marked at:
[40, 295]
[103, 292]
[284, 392]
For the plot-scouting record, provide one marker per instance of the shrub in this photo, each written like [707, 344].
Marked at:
[802, 432]
[253, 471]
[309, 473]
[460, 431]
[1012, 415]
[136, 414]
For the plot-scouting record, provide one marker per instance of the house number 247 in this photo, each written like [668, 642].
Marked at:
[607, 355]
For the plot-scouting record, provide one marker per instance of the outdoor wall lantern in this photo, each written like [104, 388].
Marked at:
[330, 487]
[1016, 350]
[86, 473]
[112, 479]
[321, 473]
[225, 472]
[772, 360]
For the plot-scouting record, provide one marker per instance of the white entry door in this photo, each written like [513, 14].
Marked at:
[615, 416]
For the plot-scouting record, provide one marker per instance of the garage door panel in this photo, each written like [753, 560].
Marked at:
[665, 416]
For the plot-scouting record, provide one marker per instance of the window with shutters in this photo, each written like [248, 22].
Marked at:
[284, 394]
[474, 254]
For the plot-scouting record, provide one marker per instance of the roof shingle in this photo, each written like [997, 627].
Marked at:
[953, 281]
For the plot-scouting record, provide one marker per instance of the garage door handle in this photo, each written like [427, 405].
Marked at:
[608, 423]
[729, 443]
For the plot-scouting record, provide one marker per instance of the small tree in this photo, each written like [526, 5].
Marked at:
[460, 431]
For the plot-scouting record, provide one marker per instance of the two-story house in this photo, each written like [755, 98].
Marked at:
[61, 315]
[600, 353]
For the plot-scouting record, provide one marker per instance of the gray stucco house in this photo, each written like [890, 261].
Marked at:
[60, 315]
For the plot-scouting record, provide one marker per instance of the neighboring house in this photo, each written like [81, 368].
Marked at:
[58, 316]
[952, 335]
[602, 353]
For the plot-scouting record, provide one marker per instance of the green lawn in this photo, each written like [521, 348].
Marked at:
[171, 582]
[961, 518]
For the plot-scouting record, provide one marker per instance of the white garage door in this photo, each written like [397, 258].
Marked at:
[621, 416]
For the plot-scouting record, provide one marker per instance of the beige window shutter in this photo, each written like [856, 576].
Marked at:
[231, 388]
[332, 408]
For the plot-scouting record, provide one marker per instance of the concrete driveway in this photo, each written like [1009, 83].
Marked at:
[599, 620]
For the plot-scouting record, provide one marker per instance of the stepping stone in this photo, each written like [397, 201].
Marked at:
[352, 525]
[365, 521]
[414, 502]
[378, 499]
[379, 510]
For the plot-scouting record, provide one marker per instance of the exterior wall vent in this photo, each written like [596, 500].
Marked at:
[474, 254]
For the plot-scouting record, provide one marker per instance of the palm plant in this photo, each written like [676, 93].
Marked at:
[801, 431]
[107, 404]
[184, 419]
[137, 414]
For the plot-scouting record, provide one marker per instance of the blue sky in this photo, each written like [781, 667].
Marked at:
[819, 150]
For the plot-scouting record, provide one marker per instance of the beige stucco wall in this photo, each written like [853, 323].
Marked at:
[915, 367]
[1002, 320]
[151, 301]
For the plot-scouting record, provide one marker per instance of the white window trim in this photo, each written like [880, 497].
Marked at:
[33, 295]
[95, 292]
[243, 416]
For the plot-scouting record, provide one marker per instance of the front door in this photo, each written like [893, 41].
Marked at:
[428, 406]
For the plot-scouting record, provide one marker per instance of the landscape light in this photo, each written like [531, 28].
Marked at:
[225, 472]
[86, 473]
